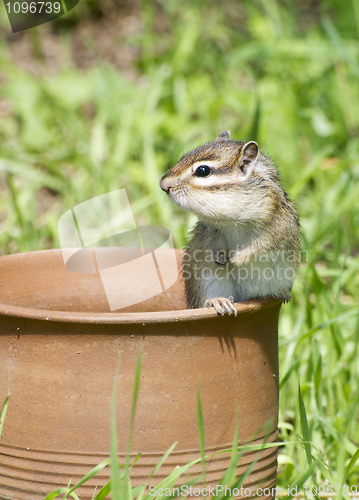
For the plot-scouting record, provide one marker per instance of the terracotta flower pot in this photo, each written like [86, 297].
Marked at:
[59, 347]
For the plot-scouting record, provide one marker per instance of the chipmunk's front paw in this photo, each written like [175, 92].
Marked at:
[222, 305]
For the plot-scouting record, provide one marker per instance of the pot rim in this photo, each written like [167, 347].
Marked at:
[171, 316]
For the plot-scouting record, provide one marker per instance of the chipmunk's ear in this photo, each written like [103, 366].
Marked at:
[248, 156]
[223, 136]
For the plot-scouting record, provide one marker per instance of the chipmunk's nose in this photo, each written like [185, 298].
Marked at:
[165, 184]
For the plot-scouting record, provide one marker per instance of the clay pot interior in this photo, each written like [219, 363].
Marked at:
[40, 280]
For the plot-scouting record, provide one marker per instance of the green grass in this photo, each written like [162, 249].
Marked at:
[283, 73]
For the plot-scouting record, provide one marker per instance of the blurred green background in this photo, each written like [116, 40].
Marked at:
[113, 93]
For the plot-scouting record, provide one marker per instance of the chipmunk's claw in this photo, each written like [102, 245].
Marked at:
[286, 298]
[222, 305]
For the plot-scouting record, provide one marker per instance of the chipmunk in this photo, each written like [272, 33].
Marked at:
[246, 243]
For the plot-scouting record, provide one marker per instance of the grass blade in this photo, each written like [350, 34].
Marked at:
[4, 409]
[254, 127]
[88, 476]
[104, 491]
[115, 471]
[351, 464]
[60, 491]
[155, 469]
[136, 388]
[300, 480]
[201, 429]
[306, 433]
[304, 425]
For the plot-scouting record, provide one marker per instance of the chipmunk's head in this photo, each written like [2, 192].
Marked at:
[223, 180]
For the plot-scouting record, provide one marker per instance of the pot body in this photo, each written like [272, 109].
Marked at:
[61, 362]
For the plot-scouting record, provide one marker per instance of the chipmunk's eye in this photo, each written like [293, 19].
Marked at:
[202, 171]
